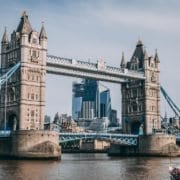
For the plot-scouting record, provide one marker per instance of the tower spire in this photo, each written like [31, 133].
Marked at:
[123, 63]
[156, 57]
[24, 25]
[43, 32]
[139, 42]
[5, 36]
[145, 54]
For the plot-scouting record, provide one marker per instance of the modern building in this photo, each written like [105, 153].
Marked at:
[85, 99]
[105, 104]
[78, 89]
[91, 107]
[114, 119]
[90, 99]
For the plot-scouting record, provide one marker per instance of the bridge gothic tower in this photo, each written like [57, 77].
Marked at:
[22, 100]
[141, 98]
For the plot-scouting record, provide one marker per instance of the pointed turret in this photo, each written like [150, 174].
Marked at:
[145, 54]
[5, 37]
[43, 37]
[123, 63]
[146, 59]
[24, 26]
[139, 43]
[156, 57]
[43, 33]
[139, 53]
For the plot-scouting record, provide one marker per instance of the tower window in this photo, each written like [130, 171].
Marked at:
[32, 113]
[34, 54]
[34, 41]
[32, 96]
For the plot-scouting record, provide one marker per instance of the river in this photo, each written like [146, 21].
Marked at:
[88, 167]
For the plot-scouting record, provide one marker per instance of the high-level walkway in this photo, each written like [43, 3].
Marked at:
[82, 69]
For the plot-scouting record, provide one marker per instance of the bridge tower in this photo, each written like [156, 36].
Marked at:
[22, 101]
[23, 97]
[141, 99]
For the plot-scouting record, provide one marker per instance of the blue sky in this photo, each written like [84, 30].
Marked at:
[93, 29]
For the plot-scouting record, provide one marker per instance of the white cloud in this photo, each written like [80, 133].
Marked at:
[160, 21]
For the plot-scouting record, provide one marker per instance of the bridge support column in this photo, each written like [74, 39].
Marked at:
[148, 145]
[23, 144]
[35, 144]
[158, 145]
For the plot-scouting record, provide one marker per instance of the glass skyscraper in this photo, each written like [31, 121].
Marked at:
[105, 104]
[84, 100]
[90, 99]
[78, 90]
[89, 103]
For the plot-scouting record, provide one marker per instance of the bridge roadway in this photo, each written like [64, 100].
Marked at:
[82, 69]
[124, 139]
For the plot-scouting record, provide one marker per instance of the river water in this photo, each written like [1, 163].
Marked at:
[88, 167]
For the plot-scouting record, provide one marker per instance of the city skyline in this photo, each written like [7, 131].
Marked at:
[102, 30]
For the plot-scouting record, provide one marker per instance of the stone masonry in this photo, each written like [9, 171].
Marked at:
[141, 99]
[23, 106]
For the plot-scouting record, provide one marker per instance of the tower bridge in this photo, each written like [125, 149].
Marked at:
[22, 93]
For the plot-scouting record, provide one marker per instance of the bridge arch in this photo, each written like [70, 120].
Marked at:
[12, 123]
[136, 127]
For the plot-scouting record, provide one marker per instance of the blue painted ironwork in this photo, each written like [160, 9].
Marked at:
[5, 133]
[124, 139]
[9, 73]
[171, 103]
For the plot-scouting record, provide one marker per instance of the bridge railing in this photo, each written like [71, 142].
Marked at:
[5, 133]
[57, 60]
[125, 139]
[99, 134]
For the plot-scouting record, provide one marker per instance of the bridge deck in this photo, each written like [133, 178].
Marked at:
[124, 139]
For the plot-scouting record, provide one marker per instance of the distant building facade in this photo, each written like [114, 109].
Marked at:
[85, 99]
[105, 104]
[62, 123]
[89, 103]
[78, 89]
[114, 119]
